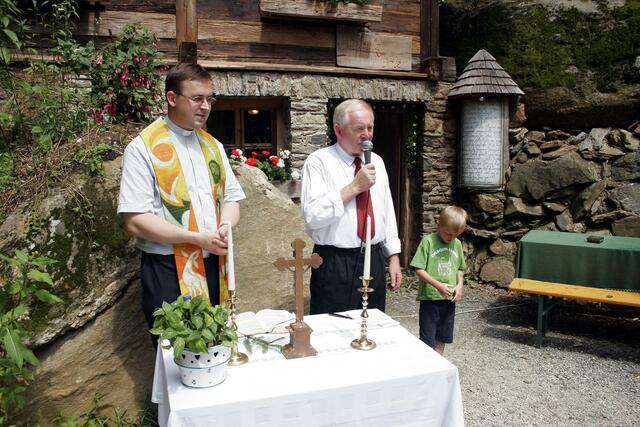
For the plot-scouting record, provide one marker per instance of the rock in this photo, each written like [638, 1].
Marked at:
[585, 199]
[502, 247]
[518, 118]
[554, 207]
[535, 179]
[532, 149]
[562, 151]
[480, 233]
[517, 135]
[630, 141]
[627, 196]
[522, 157]
[605, 153]
[596, 140]
[499, 271]
[492, 203]
[535, 136]
[629, 227]
[112, 355]
[552, 145]
[518, 207]
[626, 168]
[578, 228]
[557, 135]
[608, 217]
[261, 240]
[564, 221]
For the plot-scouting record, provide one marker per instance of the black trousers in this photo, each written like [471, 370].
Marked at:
[159, 277]
[334, 285]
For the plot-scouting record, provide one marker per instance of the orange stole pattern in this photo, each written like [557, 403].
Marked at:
[177, 207]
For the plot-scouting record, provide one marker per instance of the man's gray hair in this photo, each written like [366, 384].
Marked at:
[342, 111]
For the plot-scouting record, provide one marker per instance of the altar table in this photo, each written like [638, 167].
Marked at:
[402, 382]
[569, 258]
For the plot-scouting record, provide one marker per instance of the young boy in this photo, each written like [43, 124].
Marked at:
[439, 263]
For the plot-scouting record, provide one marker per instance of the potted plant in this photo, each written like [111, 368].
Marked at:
[201, 337]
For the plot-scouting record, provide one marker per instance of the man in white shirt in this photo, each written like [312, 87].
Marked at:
[178, 194]
[333, 178]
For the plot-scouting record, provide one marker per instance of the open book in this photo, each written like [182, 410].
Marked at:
[377, 319]
[264, 321]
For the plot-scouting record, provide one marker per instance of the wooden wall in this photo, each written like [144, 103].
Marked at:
[233, 31]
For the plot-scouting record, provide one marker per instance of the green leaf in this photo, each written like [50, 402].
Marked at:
[178, 347]
[36, 130]
[12, 36]
[5, 55]
[207, 335]
[21, 255]
[19, 311]
[40, 276]
[11, 343]
[30, 357]
[14, 287]
[46, 296]
[43, 261]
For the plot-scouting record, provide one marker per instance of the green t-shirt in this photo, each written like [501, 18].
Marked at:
[440, 260]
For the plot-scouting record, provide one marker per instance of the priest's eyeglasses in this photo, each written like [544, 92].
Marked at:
[199, 99]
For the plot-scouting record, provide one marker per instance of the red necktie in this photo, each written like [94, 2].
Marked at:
[364, 207]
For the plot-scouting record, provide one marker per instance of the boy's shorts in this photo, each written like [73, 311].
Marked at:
[436, 321]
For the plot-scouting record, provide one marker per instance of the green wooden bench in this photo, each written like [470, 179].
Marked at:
[549, 294]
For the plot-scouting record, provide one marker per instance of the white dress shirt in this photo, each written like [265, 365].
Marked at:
[328, 221]
[139, 191]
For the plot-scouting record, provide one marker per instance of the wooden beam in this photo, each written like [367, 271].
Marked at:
[187, 30]
[429, 29]
[361, 48]
[323, 9]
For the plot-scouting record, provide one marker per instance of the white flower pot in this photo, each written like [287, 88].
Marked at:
[204, 369]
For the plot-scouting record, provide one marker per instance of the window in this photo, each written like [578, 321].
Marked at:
[249, 123]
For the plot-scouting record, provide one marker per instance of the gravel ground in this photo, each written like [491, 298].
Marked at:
[587, 373]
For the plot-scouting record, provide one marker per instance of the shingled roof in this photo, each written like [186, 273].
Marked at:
[484, 76]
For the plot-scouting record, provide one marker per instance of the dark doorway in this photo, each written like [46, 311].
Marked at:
[398, 129]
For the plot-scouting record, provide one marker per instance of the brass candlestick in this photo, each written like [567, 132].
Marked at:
[364, 343]
[237, 357]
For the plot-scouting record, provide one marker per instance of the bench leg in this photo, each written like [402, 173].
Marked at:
[542, 321]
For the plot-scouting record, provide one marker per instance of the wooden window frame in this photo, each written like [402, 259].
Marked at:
[277, 107]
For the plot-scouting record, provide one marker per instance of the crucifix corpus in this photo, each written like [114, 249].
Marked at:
[299, 332]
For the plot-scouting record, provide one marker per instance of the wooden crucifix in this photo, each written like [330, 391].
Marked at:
[299, 332]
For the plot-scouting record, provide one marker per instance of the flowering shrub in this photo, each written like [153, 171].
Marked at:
[124, 77]
[275, 167]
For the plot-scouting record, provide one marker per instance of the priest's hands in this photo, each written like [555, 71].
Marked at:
[214, 242]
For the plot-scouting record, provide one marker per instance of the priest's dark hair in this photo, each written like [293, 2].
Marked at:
[184, 71]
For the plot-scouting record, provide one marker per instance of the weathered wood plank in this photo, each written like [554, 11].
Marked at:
[362, 48]
[399, 17]
[323, 9]
[262, 52]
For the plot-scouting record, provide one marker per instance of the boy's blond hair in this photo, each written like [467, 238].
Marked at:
[453, 217]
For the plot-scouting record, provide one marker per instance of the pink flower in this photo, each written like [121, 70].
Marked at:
[251, 162]
[99, 60]
[97, 117]
[56, 58]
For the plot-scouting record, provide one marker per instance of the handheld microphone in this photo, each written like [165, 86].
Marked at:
[367, 146]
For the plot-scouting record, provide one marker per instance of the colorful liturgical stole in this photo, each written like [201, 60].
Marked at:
[177, 204]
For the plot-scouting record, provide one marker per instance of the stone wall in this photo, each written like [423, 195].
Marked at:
[308, 96]
[556, 180]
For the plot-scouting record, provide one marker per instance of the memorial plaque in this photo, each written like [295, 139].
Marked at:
[483, 142]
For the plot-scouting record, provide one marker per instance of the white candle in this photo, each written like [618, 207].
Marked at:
[231, 274]
[367, 251]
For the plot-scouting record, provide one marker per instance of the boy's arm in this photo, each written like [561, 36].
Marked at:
[440, 287]
[459, 289]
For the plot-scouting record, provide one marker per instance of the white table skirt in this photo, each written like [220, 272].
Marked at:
[402, 382]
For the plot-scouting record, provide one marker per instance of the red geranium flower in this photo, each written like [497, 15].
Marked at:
[251, 161]
[266, 153]
[274, 160]
[253, 154]
[235, 152]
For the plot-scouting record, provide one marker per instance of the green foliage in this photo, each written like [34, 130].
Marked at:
[124, 77]
[92, 157]
[24, 285]
[6, 170]
[537, 45]
[193, 324]
[12, 30]
[95, 417]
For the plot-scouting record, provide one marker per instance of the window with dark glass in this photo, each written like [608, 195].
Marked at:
[250, 124]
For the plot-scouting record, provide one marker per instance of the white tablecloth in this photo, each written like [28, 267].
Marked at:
[402, 382]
